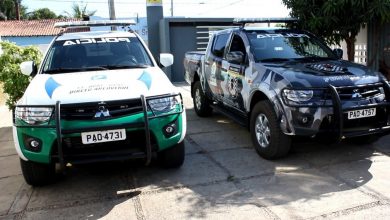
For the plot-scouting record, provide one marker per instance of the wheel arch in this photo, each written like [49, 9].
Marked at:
[271, 96]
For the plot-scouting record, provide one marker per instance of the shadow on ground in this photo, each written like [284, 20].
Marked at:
[221, 172]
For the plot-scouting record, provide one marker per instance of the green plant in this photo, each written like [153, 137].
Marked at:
[14, 82]
[337, 20]
[79, 11]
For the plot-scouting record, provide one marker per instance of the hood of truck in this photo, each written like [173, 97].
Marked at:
[96, 86]
[322, 74]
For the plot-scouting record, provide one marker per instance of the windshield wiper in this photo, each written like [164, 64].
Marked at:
[275, 60]
[111, 67]
[62, 70]
[105, 67]
[313, 58]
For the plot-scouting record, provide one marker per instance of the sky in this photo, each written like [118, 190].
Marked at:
[181, 8]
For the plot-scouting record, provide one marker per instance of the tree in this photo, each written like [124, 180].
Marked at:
[80, 11]
[337, 20]
[14, 82]
[2, 16]
[7, 7]
[42, 13]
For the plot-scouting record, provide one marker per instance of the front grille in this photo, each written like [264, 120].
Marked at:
[357, 93]
[100, 110]
[358, 97]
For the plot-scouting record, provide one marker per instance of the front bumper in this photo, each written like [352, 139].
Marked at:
[332, 119]
[61, 136]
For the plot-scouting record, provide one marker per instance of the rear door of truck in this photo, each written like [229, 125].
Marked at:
[213, 64]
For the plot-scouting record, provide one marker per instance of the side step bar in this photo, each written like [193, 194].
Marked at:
[238, 118]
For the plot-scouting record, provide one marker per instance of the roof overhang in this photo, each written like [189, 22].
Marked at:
[100, 23]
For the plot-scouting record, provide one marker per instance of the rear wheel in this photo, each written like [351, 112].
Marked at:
[268, 139]
[201, 102]
[37, 174]
[172, 157]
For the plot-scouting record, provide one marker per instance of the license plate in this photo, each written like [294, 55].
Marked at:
[103, 136]
[362, 113]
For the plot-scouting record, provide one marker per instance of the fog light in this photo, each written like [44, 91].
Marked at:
[34, 144]
[304, 119]
[170, 129]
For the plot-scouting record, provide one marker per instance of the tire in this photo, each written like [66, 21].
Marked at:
[37, 174]
[201, 102]
[363, 140]
[172, 157]
[267, 138]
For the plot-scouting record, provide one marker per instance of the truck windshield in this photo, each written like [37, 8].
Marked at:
[284, 45]
[96, 54]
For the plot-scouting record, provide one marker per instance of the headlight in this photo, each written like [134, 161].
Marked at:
[33, 115]
[163, 105]
[298, 95]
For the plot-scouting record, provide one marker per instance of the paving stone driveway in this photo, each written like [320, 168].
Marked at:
[222, 178]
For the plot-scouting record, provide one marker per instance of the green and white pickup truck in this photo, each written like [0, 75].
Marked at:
[97, 96]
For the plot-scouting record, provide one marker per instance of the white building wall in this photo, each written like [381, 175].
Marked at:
[360, 47]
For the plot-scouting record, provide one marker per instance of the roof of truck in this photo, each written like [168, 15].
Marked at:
[94, 34]
[252, 28]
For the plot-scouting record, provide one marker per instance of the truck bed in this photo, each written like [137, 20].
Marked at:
[192, 64]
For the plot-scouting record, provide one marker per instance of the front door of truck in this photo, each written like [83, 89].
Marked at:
[233, 71]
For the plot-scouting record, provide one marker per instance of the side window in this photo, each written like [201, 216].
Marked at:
[50, 63]
[237, 45]
[237, 51]
[220, 44]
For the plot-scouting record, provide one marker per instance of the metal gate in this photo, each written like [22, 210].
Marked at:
[180, 35]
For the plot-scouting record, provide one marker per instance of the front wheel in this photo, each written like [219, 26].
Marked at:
[172, 157]
[37, 174]
[201, 102]
[268, 139]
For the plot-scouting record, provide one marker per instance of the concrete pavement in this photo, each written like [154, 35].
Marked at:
[222, 178]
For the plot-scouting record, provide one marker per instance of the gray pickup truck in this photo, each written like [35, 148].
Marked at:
[283, 83]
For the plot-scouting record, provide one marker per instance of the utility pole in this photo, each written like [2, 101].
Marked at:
[111, 10]
[171, 8]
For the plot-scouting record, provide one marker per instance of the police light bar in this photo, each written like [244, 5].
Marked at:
[244, 21]
[100, 23]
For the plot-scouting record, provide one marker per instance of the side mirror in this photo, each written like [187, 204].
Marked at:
[28, 68]
[338, 53]
[166, 59]
[236, 57]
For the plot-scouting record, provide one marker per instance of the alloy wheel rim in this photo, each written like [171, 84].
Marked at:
[262, 130]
